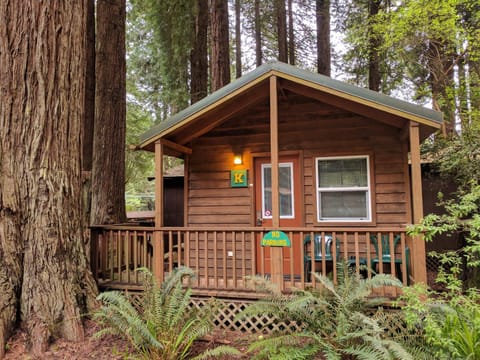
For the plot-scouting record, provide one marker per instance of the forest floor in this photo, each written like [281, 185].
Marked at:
[112, 347]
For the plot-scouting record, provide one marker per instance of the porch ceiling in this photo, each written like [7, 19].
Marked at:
[252, 89]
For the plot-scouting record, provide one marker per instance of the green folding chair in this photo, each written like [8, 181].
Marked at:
[386, 256]
[318, 256]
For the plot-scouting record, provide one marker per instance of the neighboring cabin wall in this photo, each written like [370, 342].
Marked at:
[320, 130]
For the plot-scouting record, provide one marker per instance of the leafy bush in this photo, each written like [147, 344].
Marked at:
[450, 324]
[166, 325]
[450, 320]
[334, 320]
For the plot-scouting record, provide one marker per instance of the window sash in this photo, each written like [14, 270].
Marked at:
[356, 207]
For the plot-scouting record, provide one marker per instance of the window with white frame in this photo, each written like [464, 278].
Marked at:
[343, 188]
[285, 183]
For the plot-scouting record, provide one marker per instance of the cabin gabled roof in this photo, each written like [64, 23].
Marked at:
[369, 100]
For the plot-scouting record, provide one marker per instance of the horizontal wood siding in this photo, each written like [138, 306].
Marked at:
[307, 126]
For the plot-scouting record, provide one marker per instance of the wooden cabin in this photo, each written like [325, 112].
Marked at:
[281, 166]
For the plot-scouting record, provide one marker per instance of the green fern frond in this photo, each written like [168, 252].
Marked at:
[289, 346]
[167, 326]
[217, 352]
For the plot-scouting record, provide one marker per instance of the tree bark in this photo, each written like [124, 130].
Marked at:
[220, 44]
[44, 274]
[291, 34]
[108, 171]
[374, 76]
[282, 30]
[323, 37]
[238, 40]
[199, 54]
[88, 124]
[258, 35]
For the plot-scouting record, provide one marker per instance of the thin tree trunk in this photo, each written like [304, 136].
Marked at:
[108, 172]
[44, 275]
[199, 54]
[291, 35]
[374, 76]
[323, 37]
[220, 44]
[238, 40]
[282, 30]
[258, 35]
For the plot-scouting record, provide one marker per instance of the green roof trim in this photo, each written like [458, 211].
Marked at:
[300, 74]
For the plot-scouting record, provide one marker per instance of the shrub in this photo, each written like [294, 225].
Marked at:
[166, 325]
[334, 320]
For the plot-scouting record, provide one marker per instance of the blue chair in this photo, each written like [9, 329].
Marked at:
[386, 256]
[328, 256]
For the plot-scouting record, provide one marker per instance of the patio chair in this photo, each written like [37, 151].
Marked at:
[386, 257]
[328, 256]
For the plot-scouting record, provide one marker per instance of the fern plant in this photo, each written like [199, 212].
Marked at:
[166, 325]
[333, 320]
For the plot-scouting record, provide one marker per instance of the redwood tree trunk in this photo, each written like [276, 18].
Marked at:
[220, 44]
[323, 37]
[44, 277]
[291, 34]
[108, 172]
[374, 76]
[282, 30]
[238, 40]
[199, 54]
[258, 35]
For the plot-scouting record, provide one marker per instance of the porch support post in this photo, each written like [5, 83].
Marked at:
[158, 238]
[276, 252]
[419, 267]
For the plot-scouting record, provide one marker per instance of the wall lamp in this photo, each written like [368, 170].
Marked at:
[237, 159]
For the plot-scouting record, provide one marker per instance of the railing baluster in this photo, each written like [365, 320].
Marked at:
[171, 253]
[262, 257]
[404, 259]
[380, 252]
[234, 260]
[119, 256]
[292, 271]
[244, 259]
[181, 261]
[334, 256]
[357, 253]
[252, 253]
[312, 257]
[112, 255]
[345, 246]
[393, 269]
[135, 255]
[324, 261]
[369, 255]
[224, 256]
[127, 255]
[215, 259]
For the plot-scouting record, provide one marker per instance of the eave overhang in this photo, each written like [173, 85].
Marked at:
[256, 81]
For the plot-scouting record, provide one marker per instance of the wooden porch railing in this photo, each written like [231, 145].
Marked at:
[224, 258]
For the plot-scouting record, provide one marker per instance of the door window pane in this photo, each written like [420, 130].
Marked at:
[285, 173]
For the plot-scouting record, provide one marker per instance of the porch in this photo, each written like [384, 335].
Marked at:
[224, 258]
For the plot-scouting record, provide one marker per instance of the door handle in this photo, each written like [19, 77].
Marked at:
[259, 218]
